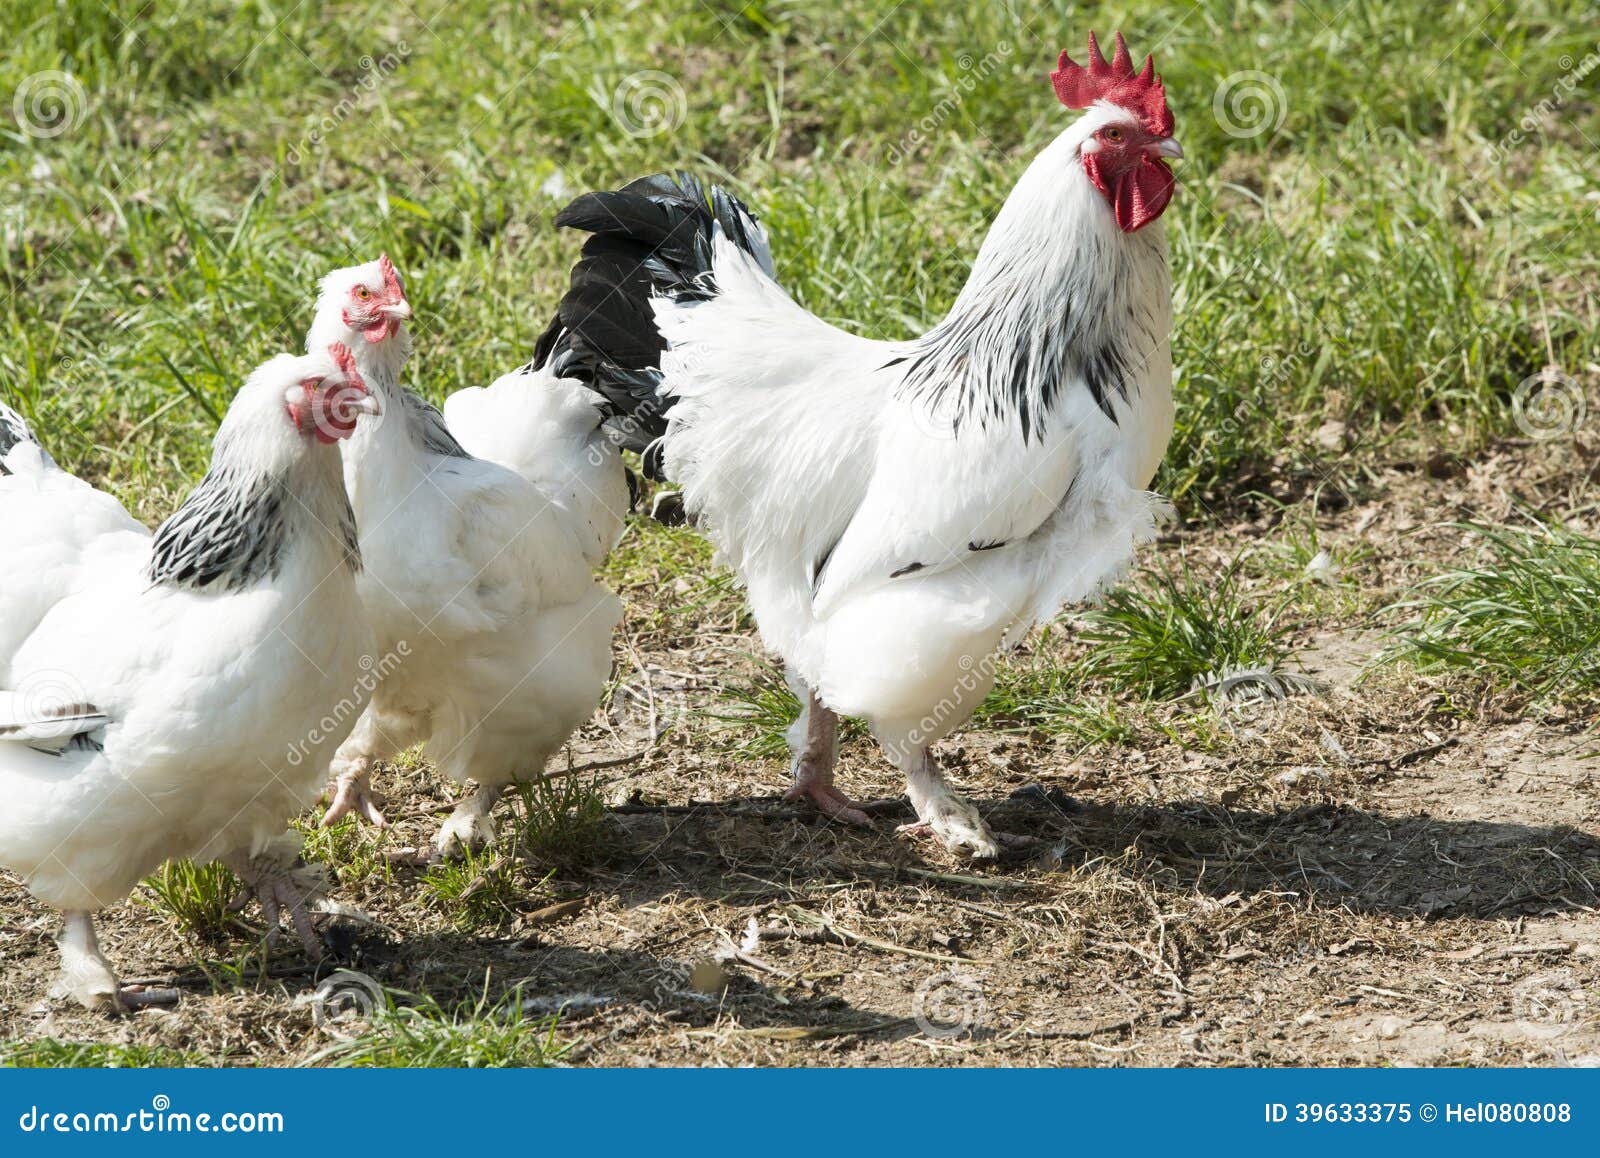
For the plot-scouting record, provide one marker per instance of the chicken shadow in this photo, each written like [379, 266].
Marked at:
[1327, 855]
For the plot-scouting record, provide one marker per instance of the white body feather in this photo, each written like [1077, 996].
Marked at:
[483, 572]
[798, 443]
[212, 701]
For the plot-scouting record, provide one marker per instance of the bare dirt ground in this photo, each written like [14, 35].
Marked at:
[1377, 874]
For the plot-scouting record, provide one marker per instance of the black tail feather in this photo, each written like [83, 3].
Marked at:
[653, 236]
[13, 429]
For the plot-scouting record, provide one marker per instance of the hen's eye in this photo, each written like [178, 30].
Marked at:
[363, 293]
[1114, 135]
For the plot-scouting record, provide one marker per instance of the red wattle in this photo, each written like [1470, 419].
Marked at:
[1141, 194]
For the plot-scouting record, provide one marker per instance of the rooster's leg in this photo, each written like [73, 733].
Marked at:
[280, 888]
[87, 977]
[814, 739]
[471, 826]
[950, 818]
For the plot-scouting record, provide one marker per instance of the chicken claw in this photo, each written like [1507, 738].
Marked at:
[280, 888]
[87, 977]
[469, 828]
[352, 796]
[816, 785]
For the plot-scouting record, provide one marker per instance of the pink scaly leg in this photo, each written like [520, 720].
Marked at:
[815, 741]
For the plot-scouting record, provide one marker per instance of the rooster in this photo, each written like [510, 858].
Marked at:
[164, 696]
[480, 535]
[899, 510]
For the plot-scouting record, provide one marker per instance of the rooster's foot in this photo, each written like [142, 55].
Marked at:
[818, 788]
[964, 841]
[352, 796]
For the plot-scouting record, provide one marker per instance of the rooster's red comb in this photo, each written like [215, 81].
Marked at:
[391, 276]
[1140, 93]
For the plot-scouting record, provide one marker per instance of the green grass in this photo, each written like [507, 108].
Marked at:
[417, 1032]
[561, 822]
[476, 891]
[1040, 693]
[1369, 260]
[350, 849]
[198, 898]
[49, 1053]
[754, 717]
[1527, 616]
[1179, 631]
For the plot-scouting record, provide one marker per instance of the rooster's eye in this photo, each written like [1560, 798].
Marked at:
[363, 293]
[1114, 136]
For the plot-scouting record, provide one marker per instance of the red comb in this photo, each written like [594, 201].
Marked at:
[346, 361]
[391, 276]
[1140, 93]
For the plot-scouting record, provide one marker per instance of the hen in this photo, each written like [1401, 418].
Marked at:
[478, 572]
[164, 696]
[898, 510]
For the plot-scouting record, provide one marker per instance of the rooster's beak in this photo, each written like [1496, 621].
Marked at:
[369, 404]
[1167, 147]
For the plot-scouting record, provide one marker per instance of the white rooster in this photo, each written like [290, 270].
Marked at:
[898, 510]
[479, 568]
[164, 696]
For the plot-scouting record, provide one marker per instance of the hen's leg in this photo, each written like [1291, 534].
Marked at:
[351, 770]
[471, 826]
[282, 887]
[814, 740]
[87, 977]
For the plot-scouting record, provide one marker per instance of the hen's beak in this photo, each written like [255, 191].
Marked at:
[368, 404]
[1167, 147]
[399, 311]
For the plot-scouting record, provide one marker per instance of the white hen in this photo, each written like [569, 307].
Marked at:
[163, 696]
[479, 573]
[897, 510]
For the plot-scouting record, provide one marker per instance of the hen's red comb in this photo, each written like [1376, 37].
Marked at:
[391, 276]
[1140, 93]
[346, 361]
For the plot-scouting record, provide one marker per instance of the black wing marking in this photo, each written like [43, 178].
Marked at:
[428, 427]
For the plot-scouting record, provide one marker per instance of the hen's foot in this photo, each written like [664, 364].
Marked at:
[352, 796]
[470, 828]
[87, 977]
[281, 889]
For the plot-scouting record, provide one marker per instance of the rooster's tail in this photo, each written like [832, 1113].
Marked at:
[648, 239]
